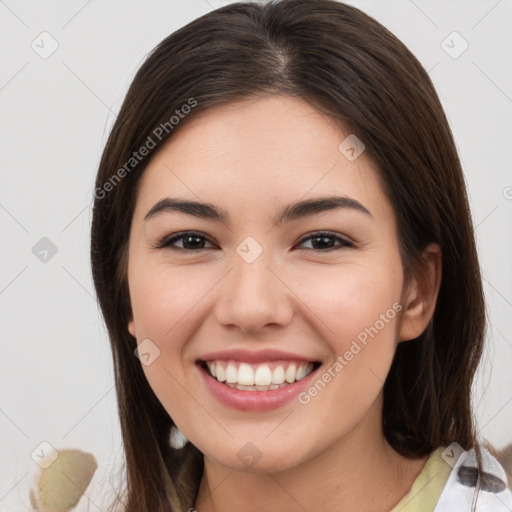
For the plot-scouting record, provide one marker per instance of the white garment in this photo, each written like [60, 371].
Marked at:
[459, 490]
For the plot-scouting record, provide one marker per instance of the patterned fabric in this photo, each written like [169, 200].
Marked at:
[427, 487]
[448, 480]
[458, 494]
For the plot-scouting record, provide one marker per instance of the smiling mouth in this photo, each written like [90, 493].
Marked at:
[258, 377]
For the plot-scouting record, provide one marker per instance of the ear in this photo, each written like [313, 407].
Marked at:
[131, 327]
[421, 295]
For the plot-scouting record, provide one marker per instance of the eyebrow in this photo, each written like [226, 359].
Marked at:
[291, 212]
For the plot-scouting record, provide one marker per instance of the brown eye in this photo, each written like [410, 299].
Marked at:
[325, 241]
[187, 241]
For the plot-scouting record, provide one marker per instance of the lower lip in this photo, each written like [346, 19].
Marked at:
[254, 400]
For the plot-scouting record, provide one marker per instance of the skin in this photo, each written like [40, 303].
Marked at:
[252, 158]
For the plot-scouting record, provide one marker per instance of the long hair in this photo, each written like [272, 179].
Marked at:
[351, 68]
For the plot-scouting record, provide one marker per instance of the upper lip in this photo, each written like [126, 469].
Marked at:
[259, 356]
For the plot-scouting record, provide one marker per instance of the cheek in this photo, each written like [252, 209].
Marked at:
[164, 298]
[164, 305]
[347, 301]
[168, 305]
[356, 311]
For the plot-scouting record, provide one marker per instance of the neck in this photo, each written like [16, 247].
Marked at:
[359, 472]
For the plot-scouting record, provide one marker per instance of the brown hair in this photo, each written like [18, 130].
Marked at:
[347, 65]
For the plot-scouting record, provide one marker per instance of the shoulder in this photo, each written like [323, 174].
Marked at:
[460, 489]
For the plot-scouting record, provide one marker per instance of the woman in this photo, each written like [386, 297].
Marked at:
[285, 260]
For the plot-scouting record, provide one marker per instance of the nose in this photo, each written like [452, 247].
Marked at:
[253, 295]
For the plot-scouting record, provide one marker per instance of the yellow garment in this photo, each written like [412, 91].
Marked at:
[427, 487]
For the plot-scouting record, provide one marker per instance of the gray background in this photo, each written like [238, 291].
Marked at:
[56, 371]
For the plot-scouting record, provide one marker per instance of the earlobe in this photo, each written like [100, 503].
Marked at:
[420, 301]
[131, 328]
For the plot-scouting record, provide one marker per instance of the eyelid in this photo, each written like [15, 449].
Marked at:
[167, 240]
[346, 242]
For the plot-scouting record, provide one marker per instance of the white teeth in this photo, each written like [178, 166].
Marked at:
[220, 373]
[262, 378]
[231, 374]
[245, 375]
[290, 373]
[256, 388]
[278, 375]
[301, 373]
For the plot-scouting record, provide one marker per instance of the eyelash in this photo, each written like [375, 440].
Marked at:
[167, 241]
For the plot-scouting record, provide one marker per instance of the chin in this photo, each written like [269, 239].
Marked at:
[265, 457]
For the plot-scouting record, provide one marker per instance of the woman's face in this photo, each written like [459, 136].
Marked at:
[257, 291]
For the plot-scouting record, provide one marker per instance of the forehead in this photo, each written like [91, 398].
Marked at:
[267, 150]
